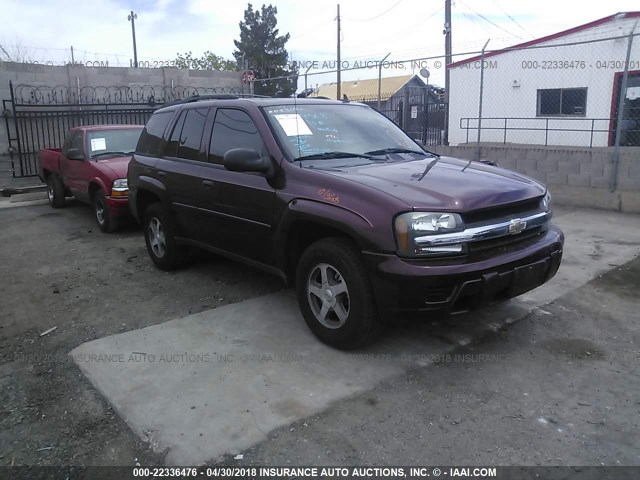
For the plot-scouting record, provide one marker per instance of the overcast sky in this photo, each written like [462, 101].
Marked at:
[99, 30]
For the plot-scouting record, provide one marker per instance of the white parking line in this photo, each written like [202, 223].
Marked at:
[9, 204]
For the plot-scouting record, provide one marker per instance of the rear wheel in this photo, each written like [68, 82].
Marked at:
[107, 223]
[55, 191]
[335, 296]
[159, 235]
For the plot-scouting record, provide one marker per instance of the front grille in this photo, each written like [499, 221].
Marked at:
[506, 241]
[502, 211]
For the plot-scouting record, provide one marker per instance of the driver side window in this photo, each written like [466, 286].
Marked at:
[233, 129]
[78, 142]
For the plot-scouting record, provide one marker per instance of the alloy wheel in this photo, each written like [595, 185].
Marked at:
[328, 296]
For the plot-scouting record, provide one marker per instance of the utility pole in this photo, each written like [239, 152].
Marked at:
[338, 90]
[132, 18]
[447, 61]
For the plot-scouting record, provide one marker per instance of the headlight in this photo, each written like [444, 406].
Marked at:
[546, 202]
[412, 225]
[120, 188]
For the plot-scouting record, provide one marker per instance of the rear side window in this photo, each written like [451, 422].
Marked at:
[233, 129]
[151, 141]
[174, 139]
[191, 135]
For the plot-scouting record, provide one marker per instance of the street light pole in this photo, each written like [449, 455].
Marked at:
[132, 18]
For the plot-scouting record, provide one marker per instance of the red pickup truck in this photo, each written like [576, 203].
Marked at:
[92, 166]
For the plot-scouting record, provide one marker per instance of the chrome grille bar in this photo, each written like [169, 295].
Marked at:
[484, 232]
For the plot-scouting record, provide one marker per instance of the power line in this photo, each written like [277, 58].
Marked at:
[512, 19]
[378, 15]
[490, 21]
[393, 33]
[471, 18]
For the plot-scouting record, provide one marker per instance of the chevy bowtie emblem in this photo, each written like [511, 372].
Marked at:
[516, 226]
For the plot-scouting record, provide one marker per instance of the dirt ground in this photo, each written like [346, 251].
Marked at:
[59, 270]
[560, 387]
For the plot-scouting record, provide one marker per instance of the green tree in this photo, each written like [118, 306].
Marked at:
[263, 50]
[208, 61]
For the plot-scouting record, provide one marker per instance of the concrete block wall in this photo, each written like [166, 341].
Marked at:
[74, 76]
[575, 176]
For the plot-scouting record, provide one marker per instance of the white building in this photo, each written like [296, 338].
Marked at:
[562, 89]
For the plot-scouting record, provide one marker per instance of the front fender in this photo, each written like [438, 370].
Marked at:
[334, 217]
[100, 183]
[146, 184]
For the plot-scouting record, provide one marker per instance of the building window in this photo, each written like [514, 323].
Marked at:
[562, 101]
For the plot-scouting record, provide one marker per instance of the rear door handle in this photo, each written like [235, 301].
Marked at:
[162, 174]
[207, 184]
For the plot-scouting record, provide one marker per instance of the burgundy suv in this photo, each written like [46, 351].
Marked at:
[334, 198]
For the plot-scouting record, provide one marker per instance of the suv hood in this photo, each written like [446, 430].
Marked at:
[449, 184]
[114, 166]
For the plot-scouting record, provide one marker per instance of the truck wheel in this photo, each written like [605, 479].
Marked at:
[55, 191]
[107, 223]
[335, 296]
[159, 235]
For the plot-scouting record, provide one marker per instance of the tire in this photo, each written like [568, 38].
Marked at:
[159, 235]
[107, 223]
[55, 191]
[335, 296]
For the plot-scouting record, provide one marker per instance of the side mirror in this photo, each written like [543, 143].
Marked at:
[247, 160]
[74, 154]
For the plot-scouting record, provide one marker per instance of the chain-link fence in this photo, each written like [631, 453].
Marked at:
[581, 90]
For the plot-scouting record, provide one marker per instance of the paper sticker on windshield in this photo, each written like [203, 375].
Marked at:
[98, 144]
[293, 124]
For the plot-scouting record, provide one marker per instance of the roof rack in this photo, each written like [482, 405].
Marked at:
[220, 96]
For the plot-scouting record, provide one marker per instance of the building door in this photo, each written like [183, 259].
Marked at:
[630, 124]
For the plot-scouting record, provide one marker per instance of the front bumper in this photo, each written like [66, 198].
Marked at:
[456, 285]
[118, 206]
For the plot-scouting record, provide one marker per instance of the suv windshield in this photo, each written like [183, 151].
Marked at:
[320, 132]
[121, 141]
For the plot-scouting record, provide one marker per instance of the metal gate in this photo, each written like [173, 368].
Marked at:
[419, 112]
[38, 117]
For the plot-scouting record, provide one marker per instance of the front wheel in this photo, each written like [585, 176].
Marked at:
[107, 223]
[159, 235]
[335, 296]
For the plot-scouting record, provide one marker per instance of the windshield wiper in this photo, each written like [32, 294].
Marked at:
[330, 155]
[384, 151]
[426, 170]
[95, 155]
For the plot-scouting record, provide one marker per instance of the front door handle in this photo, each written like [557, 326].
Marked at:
[207, 184]
[162, 174]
